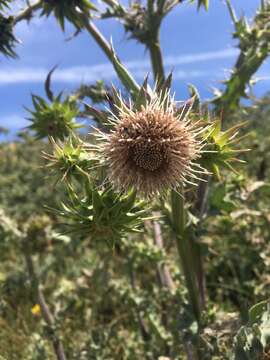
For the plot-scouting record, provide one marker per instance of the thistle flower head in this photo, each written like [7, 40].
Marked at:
[152, 147]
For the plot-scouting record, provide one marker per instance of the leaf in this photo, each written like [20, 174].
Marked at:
[141, 98]
[194, 93]
[256, 311]
[97, 202]
[97, 114]
[127, 80]
[165, 86]
[204, 3]
[48, 90]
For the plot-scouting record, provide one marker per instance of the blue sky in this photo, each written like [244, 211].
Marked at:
[197, 46]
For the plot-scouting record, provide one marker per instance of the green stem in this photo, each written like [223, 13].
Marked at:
[125, 77]
[99, 38]
[185, 253]
[27, 13]
[156, 60]
[177, 202]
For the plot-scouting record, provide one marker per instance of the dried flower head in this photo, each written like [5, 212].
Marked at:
[152, 148]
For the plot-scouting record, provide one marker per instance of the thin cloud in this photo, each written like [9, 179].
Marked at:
[13, 121]
[78, 74]
[189, 58]
[199, 57]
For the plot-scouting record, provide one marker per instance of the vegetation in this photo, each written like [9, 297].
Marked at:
[169, 263]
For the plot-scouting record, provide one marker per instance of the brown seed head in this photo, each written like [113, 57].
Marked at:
[151, 150]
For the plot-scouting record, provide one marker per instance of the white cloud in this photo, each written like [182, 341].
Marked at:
[189, 58]
[199, 57]
[78, 74]
[14, 121]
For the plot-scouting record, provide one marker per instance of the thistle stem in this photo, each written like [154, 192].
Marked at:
[99, 38]
[156, 60]
[177, 202]
[184, 251]
[27, 12]
[125, 77]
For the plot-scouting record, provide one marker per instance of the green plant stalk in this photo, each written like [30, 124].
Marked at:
[245, 68]
[177, 202]
[99, 38]
[185, 252]
[252, 55]
[156, 60]
[126, 79]
[27, 12]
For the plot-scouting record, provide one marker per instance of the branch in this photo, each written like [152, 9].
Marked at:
[26, 14]
[126, 79]
[177, 202]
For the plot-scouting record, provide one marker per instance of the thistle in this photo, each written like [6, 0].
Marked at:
[56, 119]
[69, 159]
[68, 9]
[102, 215]
[221, 150]
[152, 146]
[7, 38]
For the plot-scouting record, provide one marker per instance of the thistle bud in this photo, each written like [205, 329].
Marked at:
[69, 160]
[56, 119]
[221, 151]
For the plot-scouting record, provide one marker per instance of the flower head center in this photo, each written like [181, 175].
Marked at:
[148, 156]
